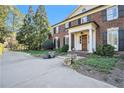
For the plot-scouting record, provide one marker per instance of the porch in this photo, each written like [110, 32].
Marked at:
[83, 38]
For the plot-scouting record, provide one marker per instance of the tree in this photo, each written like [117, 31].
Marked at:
[3, 15]
[10, 20]
[35, 29]
[41, 22]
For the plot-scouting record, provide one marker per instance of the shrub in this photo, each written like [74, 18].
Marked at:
[48, 44]
[105, 50]
[64, 48]
[108, 50]
[99, 50]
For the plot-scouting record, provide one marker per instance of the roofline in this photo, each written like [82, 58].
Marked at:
[74, 10]
[85, 23]
[77, 15]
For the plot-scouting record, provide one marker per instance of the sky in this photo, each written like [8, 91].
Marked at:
[55, 13]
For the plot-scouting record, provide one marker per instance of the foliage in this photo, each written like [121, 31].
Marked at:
[35, 29]
[105, 50]
[19, 47]
[48, 44]
[9, 20]
[3, 15]
[99, 63]
[63, 49]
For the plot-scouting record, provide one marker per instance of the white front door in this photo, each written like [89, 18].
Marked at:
[112, 38]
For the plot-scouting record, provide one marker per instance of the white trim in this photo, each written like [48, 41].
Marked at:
[113, 29]
[69, 41]
[90, 41]
[66, 36]
[56, 40]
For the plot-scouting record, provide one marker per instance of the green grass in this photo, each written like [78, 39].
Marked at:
[36, 52]
[102, 64]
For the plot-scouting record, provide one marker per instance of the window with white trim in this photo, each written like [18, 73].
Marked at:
[112, 13]
[112, 37]
[84, 19]
[67, 25]
[66, 40]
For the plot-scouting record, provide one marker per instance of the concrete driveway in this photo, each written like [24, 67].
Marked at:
[24, 71]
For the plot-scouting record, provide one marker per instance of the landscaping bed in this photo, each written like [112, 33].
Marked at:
[107, 69]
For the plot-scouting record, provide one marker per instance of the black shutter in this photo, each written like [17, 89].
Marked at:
[63, 40]
[72, 41]
[121, 10]
[88, 18]
[58, 43]
[121, 40]
[104, 15]
[79, 21]
[104, 37]
[69, 24]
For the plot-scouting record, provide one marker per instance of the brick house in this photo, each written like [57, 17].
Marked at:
[89, 26]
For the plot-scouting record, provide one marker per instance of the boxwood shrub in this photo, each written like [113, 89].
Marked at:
[105, 50]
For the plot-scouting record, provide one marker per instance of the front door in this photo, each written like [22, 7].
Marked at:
[84, 42]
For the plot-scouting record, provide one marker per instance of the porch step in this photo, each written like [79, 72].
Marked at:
[79, 53]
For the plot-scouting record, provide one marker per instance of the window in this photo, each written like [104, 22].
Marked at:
[74, 23]
[112, 13]
[67, 25]
[66, 40]
[112, 37]
[62, 28]
[84, 19]
[83, 10]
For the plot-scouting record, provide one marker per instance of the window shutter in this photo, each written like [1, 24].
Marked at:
[63, 40]
[88, 18]
[121, 10]
[69, 24]
[79, 21]
[104, 36]
[121, 40]
[58, 43]
[104, 15]
[72, 40]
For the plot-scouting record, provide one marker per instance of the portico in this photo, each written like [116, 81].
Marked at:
[83, 37]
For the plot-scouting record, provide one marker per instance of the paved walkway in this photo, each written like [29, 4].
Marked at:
[22, 70]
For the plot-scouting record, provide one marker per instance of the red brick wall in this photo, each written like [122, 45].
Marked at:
[104, 25]
[61, 36]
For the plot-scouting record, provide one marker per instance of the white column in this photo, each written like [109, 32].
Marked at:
[90, 41]
[56, 42]
[69, 41]
[94, 40]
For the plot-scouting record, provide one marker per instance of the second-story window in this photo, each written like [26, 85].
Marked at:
[62, 28]
[84, 19]
[112, 13]
[74, 23]
[67, 25]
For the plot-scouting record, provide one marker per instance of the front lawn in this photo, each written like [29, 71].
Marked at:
[101, 64]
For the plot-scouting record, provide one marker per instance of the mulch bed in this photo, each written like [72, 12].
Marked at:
[115, 77]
